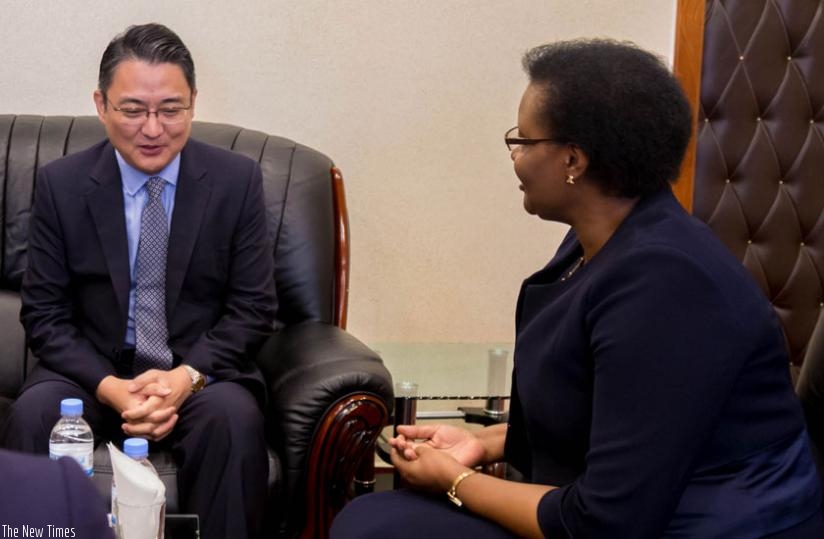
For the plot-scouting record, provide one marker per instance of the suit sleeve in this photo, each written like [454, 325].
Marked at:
[665, 358]
[86, 509]
[251, 302]
[47, 313]
[39, 492]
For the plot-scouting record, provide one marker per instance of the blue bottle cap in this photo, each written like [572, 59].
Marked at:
[136, 448]
[71, 407]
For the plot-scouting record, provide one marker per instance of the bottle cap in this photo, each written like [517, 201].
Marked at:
[71, 407]
[136, 448]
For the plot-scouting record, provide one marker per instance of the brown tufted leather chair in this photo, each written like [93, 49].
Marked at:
[329, 395]
[759, 160]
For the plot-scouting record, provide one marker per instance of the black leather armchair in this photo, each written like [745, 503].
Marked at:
[329, 395]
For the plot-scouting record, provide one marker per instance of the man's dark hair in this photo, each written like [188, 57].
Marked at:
[620, 105]
[152, 43]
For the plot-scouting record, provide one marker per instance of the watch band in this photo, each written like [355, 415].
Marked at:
[452, 493]
[198, 380]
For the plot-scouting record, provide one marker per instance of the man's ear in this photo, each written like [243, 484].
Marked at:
[194, 96]
[99, 103]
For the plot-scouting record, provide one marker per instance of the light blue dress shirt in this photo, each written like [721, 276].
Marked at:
[134, 199]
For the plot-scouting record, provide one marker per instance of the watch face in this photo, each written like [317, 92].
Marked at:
[198, 380]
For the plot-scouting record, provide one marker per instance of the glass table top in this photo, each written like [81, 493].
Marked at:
[454, 371]
[475, 377]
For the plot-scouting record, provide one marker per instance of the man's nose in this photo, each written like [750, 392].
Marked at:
[152, 126]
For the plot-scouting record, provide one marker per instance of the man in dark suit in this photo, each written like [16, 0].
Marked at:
[50, 498]
[150, 287]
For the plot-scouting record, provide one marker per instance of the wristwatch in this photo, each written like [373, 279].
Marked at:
[198, 380]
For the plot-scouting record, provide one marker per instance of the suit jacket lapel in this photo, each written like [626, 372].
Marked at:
[191, 198]
[105, 203]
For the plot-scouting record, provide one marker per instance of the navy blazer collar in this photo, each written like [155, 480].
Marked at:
[570, 248]
[191, 200]
[647, 209]
[105, 203]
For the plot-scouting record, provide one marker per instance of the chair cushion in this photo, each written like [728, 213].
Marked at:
[166, 469]
[13, 365]
[162, 462]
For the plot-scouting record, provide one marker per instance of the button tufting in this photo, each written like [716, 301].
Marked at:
[743, 155]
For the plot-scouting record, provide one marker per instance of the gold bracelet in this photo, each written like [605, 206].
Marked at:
[452, 493]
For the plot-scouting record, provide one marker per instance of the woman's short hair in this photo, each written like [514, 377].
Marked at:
[620, 104]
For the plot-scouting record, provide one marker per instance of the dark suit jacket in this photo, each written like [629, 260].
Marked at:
[38, 492]
[653, 387]
[220, 296]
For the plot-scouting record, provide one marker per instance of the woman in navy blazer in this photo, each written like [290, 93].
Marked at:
[651, 393]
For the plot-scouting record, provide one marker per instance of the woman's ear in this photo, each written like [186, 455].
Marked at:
[577, 161]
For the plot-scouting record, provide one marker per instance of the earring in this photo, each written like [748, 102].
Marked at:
[570, 179]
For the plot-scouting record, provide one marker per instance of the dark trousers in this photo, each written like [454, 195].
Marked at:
[404, 514]
[218, 444]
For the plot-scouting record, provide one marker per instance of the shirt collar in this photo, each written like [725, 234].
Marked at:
[134, 179]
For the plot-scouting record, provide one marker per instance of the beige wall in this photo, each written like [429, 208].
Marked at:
[411, 99]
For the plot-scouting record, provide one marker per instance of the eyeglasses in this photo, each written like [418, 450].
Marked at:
[168, 115]
[513, 142]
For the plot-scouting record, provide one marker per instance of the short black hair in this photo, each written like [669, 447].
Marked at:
[620, 104]
[152, 43]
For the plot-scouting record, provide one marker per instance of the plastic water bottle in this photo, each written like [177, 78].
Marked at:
[72, 436]
[138, 450]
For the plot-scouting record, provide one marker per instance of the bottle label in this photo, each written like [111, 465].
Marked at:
[82, 453]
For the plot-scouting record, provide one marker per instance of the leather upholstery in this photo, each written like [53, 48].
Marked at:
[302, 230]
[810, 389]
[310, 365]
[759, 179]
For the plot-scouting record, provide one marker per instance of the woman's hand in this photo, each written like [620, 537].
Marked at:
[431, 466]
[459, 444]
[429, 470]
